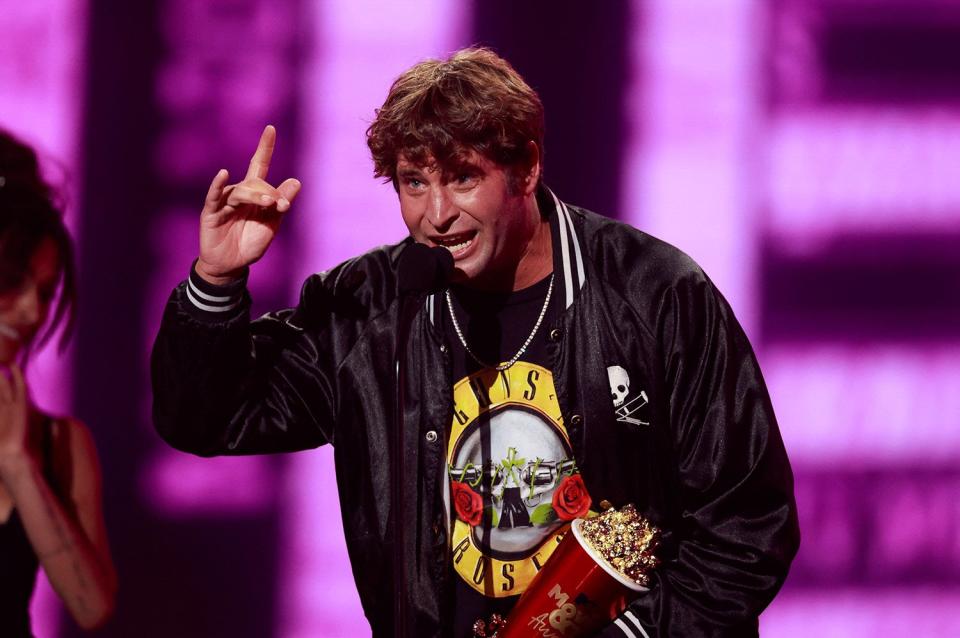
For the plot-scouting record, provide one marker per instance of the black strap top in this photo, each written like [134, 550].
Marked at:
[18, 562]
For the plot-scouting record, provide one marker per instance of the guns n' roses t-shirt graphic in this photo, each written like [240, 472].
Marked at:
[514, 484]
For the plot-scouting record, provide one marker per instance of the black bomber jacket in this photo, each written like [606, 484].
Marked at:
[694, 444]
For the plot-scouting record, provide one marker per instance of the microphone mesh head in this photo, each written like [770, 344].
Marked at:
[423, 269]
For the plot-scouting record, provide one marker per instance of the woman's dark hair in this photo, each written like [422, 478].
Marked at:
[29, 214]
[472, 101]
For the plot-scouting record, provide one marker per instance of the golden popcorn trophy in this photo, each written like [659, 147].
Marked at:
[601, 565]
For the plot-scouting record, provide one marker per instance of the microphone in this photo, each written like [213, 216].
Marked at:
[422, 269]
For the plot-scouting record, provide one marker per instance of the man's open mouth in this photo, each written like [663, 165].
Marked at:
[456, 243]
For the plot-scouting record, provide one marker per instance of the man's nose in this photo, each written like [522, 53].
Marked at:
[440, 210]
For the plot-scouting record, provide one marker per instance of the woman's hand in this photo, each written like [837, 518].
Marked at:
[14, 413]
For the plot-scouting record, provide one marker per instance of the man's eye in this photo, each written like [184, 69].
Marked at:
[465, 178]
[413, 182]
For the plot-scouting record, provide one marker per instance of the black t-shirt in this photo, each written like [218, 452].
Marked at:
[514, 485]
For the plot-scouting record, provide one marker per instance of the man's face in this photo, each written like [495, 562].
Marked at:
[471, 210]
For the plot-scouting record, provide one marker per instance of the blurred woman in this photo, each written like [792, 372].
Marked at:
[50, 487]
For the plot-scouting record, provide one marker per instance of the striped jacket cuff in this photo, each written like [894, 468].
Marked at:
[210, 301]
[628, 626]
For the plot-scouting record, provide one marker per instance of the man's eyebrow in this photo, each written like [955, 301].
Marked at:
[463, 167]
[409, 171]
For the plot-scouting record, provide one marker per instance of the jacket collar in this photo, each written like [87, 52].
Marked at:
[568, 267]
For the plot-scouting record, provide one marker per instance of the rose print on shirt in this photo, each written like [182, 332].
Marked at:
[468, 504]
[571, 500]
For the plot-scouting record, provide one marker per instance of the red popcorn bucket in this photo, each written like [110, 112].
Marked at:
[575, 594]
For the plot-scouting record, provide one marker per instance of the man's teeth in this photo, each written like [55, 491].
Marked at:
[7, 331]
[455, 247]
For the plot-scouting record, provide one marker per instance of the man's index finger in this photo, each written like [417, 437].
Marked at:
[260, 162]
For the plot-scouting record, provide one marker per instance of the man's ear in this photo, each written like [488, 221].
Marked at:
[530, 177]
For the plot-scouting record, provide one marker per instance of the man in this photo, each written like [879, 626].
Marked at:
[571, 360]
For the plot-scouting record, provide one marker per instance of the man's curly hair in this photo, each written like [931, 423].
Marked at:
[443, 109]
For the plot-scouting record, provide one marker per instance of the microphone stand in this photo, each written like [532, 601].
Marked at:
[408, 310]
[420, 271]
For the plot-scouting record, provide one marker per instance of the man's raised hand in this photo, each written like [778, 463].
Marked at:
[239, 221]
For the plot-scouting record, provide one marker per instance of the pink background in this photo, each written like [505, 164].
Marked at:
[805, 152]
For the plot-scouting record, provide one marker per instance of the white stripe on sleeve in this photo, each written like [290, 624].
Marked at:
[202, 306]
[623, 627]
[630, 616]
[202, 295]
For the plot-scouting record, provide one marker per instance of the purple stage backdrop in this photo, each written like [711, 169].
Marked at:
[805, 152]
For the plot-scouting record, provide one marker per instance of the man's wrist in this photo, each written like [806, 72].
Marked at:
[224, 279]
